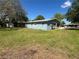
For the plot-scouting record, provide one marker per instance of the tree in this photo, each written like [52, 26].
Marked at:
[39, 17]
[73, 12]
[12, 9]
[62, 22]
[59, 16]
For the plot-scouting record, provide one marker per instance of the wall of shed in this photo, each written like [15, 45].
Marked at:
[39, 26]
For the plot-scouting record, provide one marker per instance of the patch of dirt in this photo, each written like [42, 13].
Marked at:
[32, 52]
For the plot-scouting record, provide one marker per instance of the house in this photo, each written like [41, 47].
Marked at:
[72, 26]
[42, 24]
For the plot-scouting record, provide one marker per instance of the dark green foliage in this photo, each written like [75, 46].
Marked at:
[73, 12]
[59, 16]
[62, 22]
[11, 9]
[11, 12]
[39, 17]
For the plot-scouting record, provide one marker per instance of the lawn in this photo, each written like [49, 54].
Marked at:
[65, 40]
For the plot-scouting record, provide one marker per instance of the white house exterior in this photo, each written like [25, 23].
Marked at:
[38, 26]
[42, 24]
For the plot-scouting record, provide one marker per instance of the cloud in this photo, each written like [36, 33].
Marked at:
[66, 4]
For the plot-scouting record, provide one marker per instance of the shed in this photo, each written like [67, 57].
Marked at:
[42, 24]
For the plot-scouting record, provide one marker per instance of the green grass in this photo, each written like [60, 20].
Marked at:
[62, 39]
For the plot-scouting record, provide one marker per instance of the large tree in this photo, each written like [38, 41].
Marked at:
[11, 9]
[59, 16]
[73, 12]
[39, 17]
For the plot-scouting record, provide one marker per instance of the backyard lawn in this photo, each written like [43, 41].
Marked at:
[56, 44]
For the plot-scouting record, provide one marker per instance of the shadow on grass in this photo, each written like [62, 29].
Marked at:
[73, 29]
[9, 29]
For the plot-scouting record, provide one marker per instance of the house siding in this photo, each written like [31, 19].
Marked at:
[38, 26]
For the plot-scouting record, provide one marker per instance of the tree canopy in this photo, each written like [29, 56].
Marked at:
[11, 9]
[73, 12]
[59, 16]
[39, 17]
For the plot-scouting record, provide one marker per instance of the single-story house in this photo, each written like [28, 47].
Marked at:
[42, 24]
[72, 26]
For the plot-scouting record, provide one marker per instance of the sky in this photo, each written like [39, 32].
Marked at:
[47, 8]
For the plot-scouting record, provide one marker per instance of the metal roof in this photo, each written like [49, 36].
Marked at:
[42, 21]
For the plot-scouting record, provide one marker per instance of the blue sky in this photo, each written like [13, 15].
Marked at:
[47, 8]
